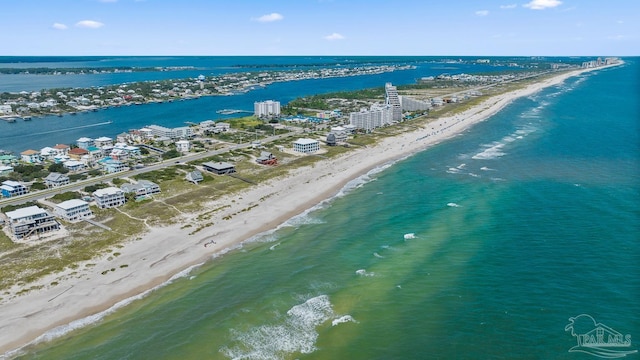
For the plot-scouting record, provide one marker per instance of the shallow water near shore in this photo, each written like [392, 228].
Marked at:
[518, 224]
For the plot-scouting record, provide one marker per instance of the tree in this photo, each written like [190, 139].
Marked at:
[173, 153]
[38, 186]
[58, 168]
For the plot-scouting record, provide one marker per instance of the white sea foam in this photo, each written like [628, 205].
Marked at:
[296, 333]
[474, 175]
[408, 236]
[273, 246]
[363, 272]
[343, 319]
[492, 151]
[452, 204]
[496, 149]
[378, 255]
[484, 168]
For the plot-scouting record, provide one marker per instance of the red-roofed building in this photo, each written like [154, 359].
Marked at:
[77, 153]
[61, 149]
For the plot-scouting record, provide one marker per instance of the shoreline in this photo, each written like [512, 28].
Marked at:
[162, 253]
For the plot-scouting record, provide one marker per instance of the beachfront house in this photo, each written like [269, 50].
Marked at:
[73, 210]
[306, 146]
[54, 180]
[142, 189]
[194, 176]
[267, 158]
[219, 168]
[109, 197]
[31, 220]
[10, 188]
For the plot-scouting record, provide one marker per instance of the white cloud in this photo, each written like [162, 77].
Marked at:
[510, 6]
[90, 24]
[270, 17]
[334, 36]
[482, 12]
[542, 4]
[59, 26]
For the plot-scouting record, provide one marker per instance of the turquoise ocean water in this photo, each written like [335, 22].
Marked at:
[482, 247]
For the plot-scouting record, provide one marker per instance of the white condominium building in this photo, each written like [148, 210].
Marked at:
[268, 108]
[393, 100]
[175, 133]
[367, 120]
[411, 104]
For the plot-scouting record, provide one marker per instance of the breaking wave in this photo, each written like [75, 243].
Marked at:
[363, 272]
[342, 320]
[296, 333]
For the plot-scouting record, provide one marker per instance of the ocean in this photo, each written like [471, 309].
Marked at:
[483, 246]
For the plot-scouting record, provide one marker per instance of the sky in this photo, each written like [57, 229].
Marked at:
[320, 27]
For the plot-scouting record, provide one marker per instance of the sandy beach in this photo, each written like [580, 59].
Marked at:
[162, 253]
